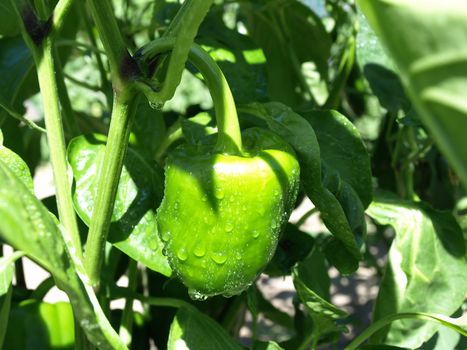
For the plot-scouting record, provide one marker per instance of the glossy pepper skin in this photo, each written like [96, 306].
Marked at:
[221, 215]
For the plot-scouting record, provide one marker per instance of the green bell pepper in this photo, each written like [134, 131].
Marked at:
[222, 214]
[224, 205]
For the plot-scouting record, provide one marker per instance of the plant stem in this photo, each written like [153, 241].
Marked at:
[42, 289]
[127, 317]
[56, 138]
[122, 70]
[312, 338]
[234, 308]
[111, 38]
[42, 52]
[18, 116]
[61, 10]
[81, 341]
[305, 216]
[173, 134]
[452, 323]
[82, 84]
[119, 292]
[19, 273]
[229, 137]
[182, 29]
[122, 115]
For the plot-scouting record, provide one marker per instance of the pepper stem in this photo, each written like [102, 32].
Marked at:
[229, 138]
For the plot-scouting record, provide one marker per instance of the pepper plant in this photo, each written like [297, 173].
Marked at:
[181, 136]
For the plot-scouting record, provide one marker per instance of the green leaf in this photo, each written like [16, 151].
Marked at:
[382, 347]
[8, 20]
[294, 245]
[148, 130]
[425, 272]
[191, 329]
[17, 166]
[344, 248]
[241, 61]
[428, 45]
[6, 277]
[15, 68]
[270, 345]
[369, 48]
[37, 325]
[257, 304]
[379, 69]
[195, 129]
[343, 153]
[28, 226]
[312, 283]
[290, 34]
[134, 228]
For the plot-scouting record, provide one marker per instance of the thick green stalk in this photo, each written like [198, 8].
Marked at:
[122, 69]
[122, 114]
[53, 121]
[42, 52]
[229, 137]
[183, 29]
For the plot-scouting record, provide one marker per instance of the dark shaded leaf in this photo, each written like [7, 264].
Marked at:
[9, 25]
[15, 68]
[148, 130]
[294, 245]
[312, 284]
[348, 233]
[242, 62]
[290, 34]
[195, 129]
[343, 153]
[382, 347]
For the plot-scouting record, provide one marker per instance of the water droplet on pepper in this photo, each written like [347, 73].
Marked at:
[182, 254]
[219, 258]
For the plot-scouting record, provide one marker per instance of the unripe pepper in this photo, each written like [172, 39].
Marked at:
[224, 206]
[221, 215]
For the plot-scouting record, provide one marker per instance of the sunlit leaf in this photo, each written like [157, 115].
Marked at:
[133, 229]
[193, 330]
[427, 42]
[37, 325]
[426, 269]
[28, 226]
